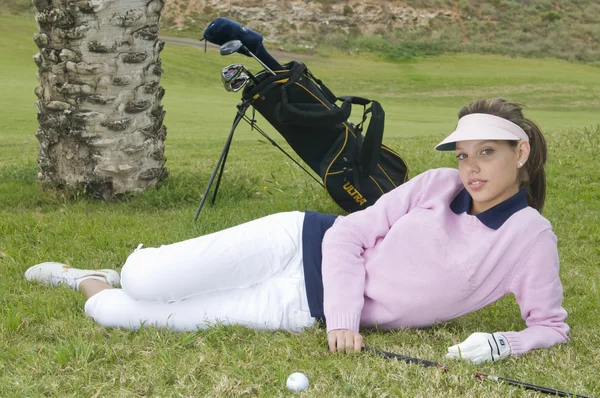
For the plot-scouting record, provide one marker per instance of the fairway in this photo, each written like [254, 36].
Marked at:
[48, 347]
[421, 97]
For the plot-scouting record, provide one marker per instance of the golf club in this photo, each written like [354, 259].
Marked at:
[407, 359]
[234, 45]
[237, 83]
[232, 71]
[478, 375]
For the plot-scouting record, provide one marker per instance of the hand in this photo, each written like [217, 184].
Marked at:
[480, 347]
[344, 339]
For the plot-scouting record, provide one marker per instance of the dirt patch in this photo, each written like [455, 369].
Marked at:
[300, 19]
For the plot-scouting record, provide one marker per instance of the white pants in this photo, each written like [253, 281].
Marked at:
[250, 275]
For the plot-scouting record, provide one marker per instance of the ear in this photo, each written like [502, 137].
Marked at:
[523, 149]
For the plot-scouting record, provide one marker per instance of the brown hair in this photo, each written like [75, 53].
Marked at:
[532, 174]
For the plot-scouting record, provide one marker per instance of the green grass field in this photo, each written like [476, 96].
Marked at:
[48, 347]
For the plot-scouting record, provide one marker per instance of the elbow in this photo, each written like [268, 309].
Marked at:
[561, 327]
[564, 331]
[561, 332]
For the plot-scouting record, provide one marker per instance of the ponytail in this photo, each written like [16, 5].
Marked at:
[532, 175]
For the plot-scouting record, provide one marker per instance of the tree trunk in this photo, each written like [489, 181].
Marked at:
[100, 118]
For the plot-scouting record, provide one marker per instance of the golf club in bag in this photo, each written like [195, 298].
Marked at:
[355, 169]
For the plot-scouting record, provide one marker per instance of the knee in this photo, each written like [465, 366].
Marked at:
[136, 273]
[103, 307]
[133, 265]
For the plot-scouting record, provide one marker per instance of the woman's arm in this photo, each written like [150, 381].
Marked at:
[539, 292]
[343, 245]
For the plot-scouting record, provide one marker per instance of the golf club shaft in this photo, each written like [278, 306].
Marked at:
[259, 61]
[478, 375]
[406, 359]
[528, 386]
[251, 76]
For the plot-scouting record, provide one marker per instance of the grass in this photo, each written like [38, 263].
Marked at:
[49, 348]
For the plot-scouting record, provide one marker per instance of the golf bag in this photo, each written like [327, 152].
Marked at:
[355, 170]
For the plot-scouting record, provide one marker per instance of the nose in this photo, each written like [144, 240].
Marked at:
[473, 165]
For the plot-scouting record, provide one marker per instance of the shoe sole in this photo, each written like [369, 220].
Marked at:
[112, 277]
[30, 274]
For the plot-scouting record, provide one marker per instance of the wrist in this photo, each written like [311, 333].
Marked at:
[501, 345]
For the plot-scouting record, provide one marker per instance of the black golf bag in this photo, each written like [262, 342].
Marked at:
[355, 170]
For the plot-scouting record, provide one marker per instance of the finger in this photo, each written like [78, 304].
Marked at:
[331, 340]
[459, 353]
[349, 341]
[358, 342]
[341, 341]
[476, 359]
[466, 349]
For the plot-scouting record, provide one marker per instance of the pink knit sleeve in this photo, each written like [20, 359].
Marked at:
[343, 266]
[539, 292]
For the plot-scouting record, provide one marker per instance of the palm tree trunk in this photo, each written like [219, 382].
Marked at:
[100, 118]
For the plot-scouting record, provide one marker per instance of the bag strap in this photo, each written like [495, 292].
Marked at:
[326, 91]
[329, 117]
[355, 100]
[358, 101]
[332, 116]
[371, 147]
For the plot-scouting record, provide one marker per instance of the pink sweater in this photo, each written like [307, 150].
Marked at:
[410, 261]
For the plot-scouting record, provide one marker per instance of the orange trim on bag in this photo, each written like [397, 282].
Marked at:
[338, 172]
[378, 186]
[401, 158]
[317, 98]
[322, 103]
[334, 159]
[388, 177]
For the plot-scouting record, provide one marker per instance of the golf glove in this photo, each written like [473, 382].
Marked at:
[480, 347]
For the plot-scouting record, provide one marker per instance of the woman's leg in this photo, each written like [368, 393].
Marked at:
[277, 303]
[90, 287]
[234, 258]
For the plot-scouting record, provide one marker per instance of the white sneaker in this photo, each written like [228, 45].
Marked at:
[55, 274]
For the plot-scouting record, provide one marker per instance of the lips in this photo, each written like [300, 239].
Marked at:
[476, 184]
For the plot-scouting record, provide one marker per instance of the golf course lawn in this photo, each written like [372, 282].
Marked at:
[48, 347]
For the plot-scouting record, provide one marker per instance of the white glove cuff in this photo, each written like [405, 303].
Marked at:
[500, 346]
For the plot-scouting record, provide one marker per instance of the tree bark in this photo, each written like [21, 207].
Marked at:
[99, 112]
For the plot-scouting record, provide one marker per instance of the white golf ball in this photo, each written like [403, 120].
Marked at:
[297, 382]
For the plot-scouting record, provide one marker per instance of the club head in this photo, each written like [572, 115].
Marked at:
[230, 72]
[230, 47]
[237, 83]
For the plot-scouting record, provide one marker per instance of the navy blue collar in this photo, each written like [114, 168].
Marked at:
[493, 217]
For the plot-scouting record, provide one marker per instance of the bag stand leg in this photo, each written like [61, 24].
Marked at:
[220, 166]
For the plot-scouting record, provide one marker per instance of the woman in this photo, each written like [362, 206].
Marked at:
[442, 245]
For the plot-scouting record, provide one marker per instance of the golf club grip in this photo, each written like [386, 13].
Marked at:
[406, 359]
[528, 386]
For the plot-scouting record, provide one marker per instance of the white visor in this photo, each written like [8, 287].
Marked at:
[481, 126]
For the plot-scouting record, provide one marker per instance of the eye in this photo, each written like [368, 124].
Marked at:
[487, 151]
[461, 156]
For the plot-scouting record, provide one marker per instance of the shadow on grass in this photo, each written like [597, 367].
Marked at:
[20, 189]
[284, 188]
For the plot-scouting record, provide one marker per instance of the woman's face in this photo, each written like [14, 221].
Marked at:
[489, 170]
